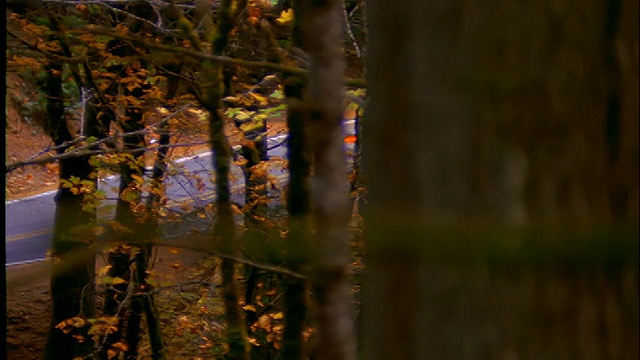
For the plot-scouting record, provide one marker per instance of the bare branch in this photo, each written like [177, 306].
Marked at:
[87, 149]
[128, 14]
[214, 58]
[349, 32]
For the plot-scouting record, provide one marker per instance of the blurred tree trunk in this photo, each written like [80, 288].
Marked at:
[321, 33]
[502, 171]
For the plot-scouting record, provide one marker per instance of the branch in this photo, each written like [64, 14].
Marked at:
[349, 32]
[202, 242]
[103, 2]
[303, 73]
[127, 13]
[86, 149]
[47, 54]
[84, 152]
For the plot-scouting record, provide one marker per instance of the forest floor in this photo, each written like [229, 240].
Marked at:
[29, 303]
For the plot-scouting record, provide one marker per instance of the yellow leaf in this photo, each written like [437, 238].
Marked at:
[277, 316]
[286, 17]
[261, 99]
[111, 320]
[104, 270]
[249, 308]
[117, 280]
[137, 178]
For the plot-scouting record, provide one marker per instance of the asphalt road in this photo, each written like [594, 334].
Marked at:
[29, 221]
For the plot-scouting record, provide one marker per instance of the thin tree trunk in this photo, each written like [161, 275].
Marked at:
[129, 197]
[296, 301]
[224, 228]
[144, 301]
[157, 179]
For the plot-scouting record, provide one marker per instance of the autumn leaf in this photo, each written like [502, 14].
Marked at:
[265, 322]
[249, 308]
[104, 270]
[184, 321]
[285, 18]
[77, 322]
[120, 346]
[262, 100]
[277, 316]
[137, 178]
[111, 353]
[118, 281]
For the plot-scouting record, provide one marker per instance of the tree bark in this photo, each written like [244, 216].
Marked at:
[72, 282]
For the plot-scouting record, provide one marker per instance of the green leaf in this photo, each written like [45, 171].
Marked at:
[74, 21]
[189, 296]
[42, 21]
[95, 9]
[273, 110]
[103, 38]
[278, 94]
[232, 112]
[87, 183]
[358, 92]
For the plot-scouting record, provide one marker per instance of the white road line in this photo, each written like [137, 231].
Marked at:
[31, 197]
[189, 158]
[24, 262]
[28, 235]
